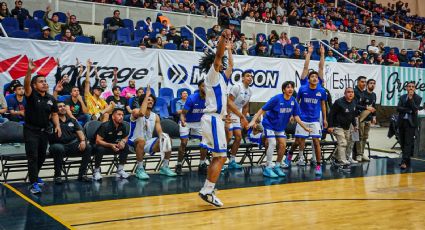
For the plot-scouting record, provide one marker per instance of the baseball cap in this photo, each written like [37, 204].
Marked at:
[46, 28]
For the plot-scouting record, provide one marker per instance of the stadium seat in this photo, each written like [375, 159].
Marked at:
[386, 49]
[251, 51]
[35, 35]
[288, 50]
[295, 40]
[396, 50]
[157, 26]
[123, 36]
[83, 39]
[141, 25]
[315, 44]
[106, 22]
[139, 35]
[343, 46]
[277, 50]
[58, 37]
[301, 47]
[64, 97]
[41, 22]
[199, 46]
[170, 46]
[5, 86]
[11, 132]
[173, 105]
[179, 92]
[152, 91]
[129, 24]
[167, 94]
[9, 97]
[10, 24]
[186, 34]
[38, 14]
[315, 56]
[161, 108]
[19, 34]
[90, 129]
[130, 102]
[32, 25]
[62, 16]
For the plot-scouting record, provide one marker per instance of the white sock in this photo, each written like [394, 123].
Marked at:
[140, 164]
[201, 162]
[208, 187]
[120, 167]
[232, 158]
[165, 163]
[97, 170]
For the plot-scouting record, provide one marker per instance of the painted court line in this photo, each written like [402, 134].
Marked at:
[241, 206]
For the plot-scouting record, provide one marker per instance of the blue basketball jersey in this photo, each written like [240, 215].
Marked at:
[279, 111]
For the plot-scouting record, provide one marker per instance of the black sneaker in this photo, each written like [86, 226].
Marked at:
[203, 168]
[84, 179]
[58, 180]
[179, 170]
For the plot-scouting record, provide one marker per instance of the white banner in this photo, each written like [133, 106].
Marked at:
[180, 70]
[132, 63]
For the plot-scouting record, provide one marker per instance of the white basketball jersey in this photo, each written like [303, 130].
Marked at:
[143, 127]
[216, 93]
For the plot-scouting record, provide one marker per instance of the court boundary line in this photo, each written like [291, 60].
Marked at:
[243, 206]
[35, 204]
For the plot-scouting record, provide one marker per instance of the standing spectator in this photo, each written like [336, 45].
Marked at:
[330, 57]
[72, 142]
[173, 37]
[262, 50]
[74, 26]
[16, 104]
[130, 90]
[20, 13]
[36, 128]
[250, 17]
[54, 24]
[114, 24]
[45, 34]
[112, 139]
[392, 58]
[4, 11]
[364, 59]
[226, 14]
[243, 50]
[342, 117]
[407, 108]
[292, 18]
[402, 56]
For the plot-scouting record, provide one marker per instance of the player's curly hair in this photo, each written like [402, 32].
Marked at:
[207, 60]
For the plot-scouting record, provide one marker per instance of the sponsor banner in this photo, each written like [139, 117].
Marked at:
[181, 70]
[132, 63]
[394, 82]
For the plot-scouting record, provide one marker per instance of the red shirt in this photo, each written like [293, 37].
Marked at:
[392, 57]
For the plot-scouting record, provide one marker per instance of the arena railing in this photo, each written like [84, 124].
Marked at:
[307, 34]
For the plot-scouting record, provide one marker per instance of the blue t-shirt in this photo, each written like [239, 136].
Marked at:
[14, 104]
[304, 81]
[310, 103]
[279, 111]
[195, 106]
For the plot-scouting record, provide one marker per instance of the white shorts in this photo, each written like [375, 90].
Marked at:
[236, 123]
[148, 146]
[316, 128]
[192, 130]
[214, 135]
[274, 134]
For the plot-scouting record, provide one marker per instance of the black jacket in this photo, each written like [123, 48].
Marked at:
[410, 107]
[343, 114]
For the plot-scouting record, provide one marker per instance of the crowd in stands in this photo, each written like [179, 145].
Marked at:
[159, 33]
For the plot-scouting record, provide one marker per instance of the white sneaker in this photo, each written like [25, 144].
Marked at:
[352, 161]
[284, 165]
[359, 158]
[365, 157]
[346, 162]
[122, 174]
[97, 176]
[301, 161]
[211, 198]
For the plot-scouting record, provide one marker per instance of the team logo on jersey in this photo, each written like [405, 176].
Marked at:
[49, 102]
[318, 94]
[346, 110]
[292, 103]
[70, 124]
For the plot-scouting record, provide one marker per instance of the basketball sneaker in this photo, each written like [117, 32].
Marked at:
[211, 198]
[179, 169]
[318, 170]
[203, 169]
[279, 171]
[268, 172]
[234, 165]
[40, 182]
[122, 174]
[166, 171]
[35, 189]
[141, 174]
[97, 176]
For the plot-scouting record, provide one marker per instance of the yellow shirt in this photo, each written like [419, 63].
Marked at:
[94, 105]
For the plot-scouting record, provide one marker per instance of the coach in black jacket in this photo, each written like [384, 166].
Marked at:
[408, 107]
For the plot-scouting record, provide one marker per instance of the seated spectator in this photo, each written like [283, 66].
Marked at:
[419, 63]
[105, 87]
[162, 34]
[402, 56]
[97, 107]
[296, 54]
[417, 55]
[75, 106]
[412, 62]
[185, 45]
[134, 3]
[112, 139]
[379, 60]
[16, 104]
[273, 37]
[54, 24]
[130, 90]
[159, 43]
[173, 37]
[4, 11]
[74, 26]
[364, 59]
[262, 50]
[20, 13]
[283, 39]
[166, 6]
[72, 142]
[212, 42]
[11, 89]
[114, 24]
[232, 28]
[118, 101]
[45, 34]
[243, 50]
[330, 26]
[3, 109]
[226, 14]
[243, 39]
[68, 37]
[381, 47]
[180, 103]
[330, 57]
[372, 48]
[392, 58]
[250, 17]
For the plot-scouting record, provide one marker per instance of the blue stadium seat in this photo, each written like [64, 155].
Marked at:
[404, 64]
[396, 50]
[58, 37]
[139, 35]
[130, 102]
[200, 31]
[157, 26]
[41, 22]
[32, 25]
[186, 34]
[179, 92]
[83, 39]
[161, 108]
[167, 94]
[386, 49]
[301, 47]
[295, 40]
[277, 50]
[170, 46]
[315, 57]
[19, 34]
[315, 44]
[62, 16]
[251, 51]
[5, 86]
[129, 24]
[343, 46]
[10, 24]
[123, 35]
[134, 43]
[141, 25]
[106, 22]
[288, 50]
[38, 14]
[152, 91]
[173, 106]
[35, 35]
[64, 97]
[9, 97]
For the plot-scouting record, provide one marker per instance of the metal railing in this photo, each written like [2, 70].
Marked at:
[3, 30]
[334, 50]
